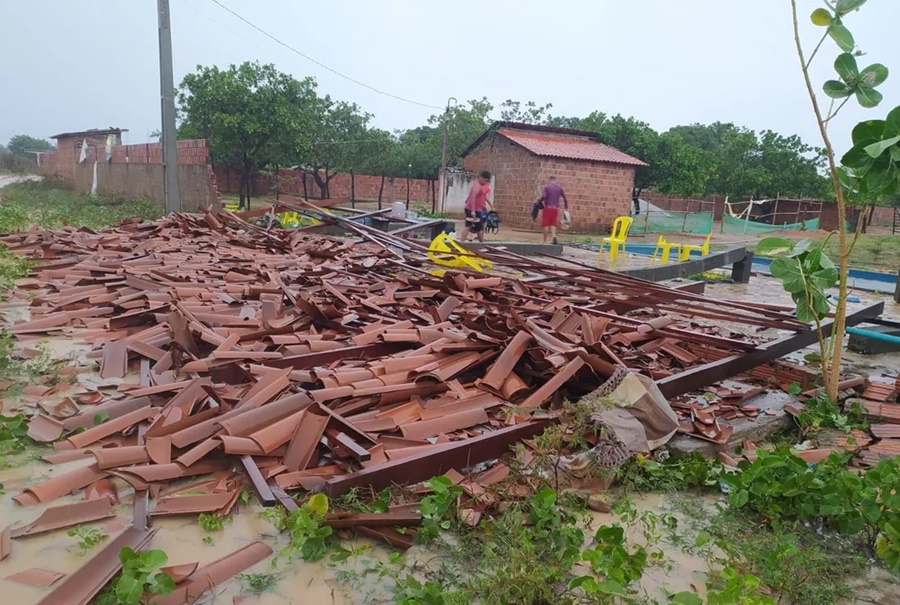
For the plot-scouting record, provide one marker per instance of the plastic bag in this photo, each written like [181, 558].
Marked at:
[566, 219]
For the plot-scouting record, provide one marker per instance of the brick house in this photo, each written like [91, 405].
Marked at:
[68, 148]
[598, 179]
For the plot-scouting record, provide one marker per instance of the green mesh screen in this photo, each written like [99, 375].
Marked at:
[673, 222]
[731, 224]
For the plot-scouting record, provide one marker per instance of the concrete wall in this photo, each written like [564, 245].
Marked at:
[598, 192]
[138, 181]
[457, 190]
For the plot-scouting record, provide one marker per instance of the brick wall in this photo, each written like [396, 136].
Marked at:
[135, 171]
[597, 192]
[366, 186]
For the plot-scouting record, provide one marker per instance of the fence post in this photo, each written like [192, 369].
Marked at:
[647, 220]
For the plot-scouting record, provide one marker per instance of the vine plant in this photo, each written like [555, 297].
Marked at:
[871, 167]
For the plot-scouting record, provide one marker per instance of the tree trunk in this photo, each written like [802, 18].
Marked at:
[407, 193]
[391, 192]
[325, 193]
[380, 191]
[241, 189]
[305, 191]
[277, 183]
[352, 189]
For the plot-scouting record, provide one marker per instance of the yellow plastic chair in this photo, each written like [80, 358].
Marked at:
[617, 238]
[444, 250]
[665, 247]
[290, 220]
[686, 249]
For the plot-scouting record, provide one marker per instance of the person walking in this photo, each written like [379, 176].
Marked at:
[476, 207]
[550, 196]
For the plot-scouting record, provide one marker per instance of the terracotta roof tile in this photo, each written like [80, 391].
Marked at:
[568, 147]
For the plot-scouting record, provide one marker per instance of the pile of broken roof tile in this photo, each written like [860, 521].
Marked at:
[321, 363]
[284, 360]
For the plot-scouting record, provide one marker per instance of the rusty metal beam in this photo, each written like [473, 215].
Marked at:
[700, 376]
[421, 467]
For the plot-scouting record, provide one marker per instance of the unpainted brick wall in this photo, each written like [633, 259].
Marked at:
[421, 191]
[598, 192]
[135, 171]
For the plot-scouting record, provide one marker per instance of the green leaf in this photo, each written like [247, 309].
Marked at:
[845, 6]
[153, 560]
[702, 538]
[871, 130]
[788, 271]
[739, 498]
[868, 97]
[800, 247]
[836, 90]
[100, 418]
[841, 35]
[162, 584]
[821, 17]
[773, 246]
[846, 68]
[876, 149]
[129, 590]
[873, 75]
[892, 124]
[813, 357]
[857, 158]
[127, 554]
[318, 504]
[685, 597]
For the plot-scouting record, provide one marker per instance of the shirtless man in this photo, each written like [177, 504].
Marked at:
[476, 205]
[550, 214]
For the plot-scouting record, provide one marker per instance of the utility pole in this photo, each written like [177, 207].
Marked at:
[442, 177]
[167, 98]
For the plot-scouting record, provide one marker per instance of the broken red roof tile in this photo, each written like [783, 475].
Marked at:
[66, 515]
[60, 485]
[36, 576]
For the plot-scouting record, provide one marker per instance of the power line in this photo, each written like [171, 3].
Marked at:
[320, 64]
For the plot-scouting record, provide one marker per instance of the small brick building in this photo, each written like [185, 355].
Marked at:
[68, 148]
[598, 179]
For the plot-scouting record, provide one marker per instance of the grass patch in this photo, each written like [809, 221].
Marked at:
[53, 204]
[795, 564]
[872, 252]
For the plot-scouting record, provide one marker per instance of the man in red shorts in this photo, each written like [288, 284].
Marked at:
[550, 214]
[475, 208]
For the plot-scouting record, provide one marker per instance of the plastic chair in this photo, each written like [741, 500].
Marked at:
[665, 247]
[290, 220]
[686, 249]
[617, 238]
[444, 250]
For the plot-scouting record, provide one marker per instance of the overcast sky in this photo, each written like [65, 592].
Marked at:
[73, 65]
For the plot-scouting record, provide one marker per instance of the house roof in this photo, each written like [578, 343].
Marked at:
[92, 132]
[554, 142]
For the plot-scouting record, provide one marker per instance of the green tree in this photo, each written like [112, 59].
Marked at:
[334, 135]
[22, 143]
[249, 113]
[527, 113]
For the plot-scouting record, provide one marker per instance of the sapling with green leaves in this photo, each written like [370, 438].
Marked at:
[870, 168]
[139, 578]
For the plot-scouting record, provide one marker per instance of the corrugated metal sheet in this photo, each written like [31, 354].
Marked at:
[574, 148]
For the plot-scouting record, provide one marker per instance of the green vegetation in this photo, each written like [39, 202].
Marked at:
[822, 413]
[643, 474]
[211, 522]
[52, 204]
[13, 435]
[309, 538]
[140, 577]
[784, 488]
[88, 537]
[258, 583]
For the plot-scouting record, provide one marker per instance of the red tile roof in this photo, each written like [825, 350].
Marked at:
[569, 147]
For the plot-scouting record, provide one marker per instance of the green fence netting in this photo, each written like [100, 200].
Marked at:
[731, 224]
[673, 222]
